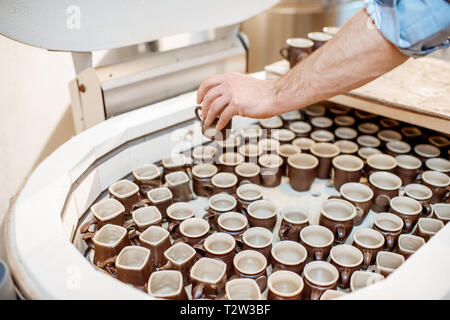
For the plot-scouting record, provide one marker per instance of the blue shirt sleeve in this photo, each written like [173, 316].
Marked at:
[416, 27]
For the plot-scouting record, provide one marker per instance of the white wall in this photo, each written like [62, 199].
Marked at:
[35, 117]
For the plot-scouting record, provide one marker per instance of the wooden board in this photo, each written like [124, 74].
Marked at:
[417, 92]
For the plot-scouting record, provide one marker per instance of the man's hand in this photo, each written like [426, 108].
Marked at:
[232, 94]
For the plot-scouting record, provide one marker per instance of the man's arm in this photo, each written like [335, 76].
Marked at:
[357, 55]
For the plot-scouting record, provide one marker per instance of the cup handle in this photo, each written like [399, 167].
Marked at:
[197, 291]
[340, 232]
[261, 281]
[197, 115]
[85, 227]
[382, 200]
[359, 212]
[200, 248]
[334, 197]
[408, 223]
[426, 208]
[140, 204]
[318, 254]
[244, 211]
[345, 277]
[208, 188]
[234, 276]
[109, 261]
[282, 232]
[244, 182]
[283, 52]
[315, 294]
[367, 257]
[172, 225]
[167, 266]
[390, 240]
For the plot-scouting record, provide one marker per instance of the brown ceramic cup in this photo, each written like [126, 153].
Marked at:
[251, 152]
[271, 169]
[438, 182]
[363, 116]
[438, 164]
[108, 242]
[193, 231]
[262, 213]
[361, 196]
[289, 117]
[347, 259]
[385, 186]
[319, 39]
[366, 152]
[346, 168]
[126, 192]
[344, 121]
[231, 144]
[180, 257]
[345, 133]
[177, 213]
[422, 194]
[294, 219]
[233, 223]
[380, 162]
[317, 240]
[387, 135]
[225, 182]
[210, 131]
[408, 244]
[145, 217]
[268, 146]
[408, 209]
[426, 151]
[219, 204]
[362, 279]
[147, 177]
[228, 161]
[319, 276]
[201, 178]
[177, 162]
[387, 262]
[134, 265]
[302, 170]
[304, 144]
[204, 154]
[179, 183]
[368, 128]
[288, 255]
[301, 129]
[161, 198]
[368, 141]
[296, 50]
[370, 242]
[314, 110]
[396, 148]
[157, 240]
[408, 167]
[108, 211]
[251, 264]
[428, 227]
[220, 246]
[411, 134]
[390, 226]
[248, 172]
[440, 142]
[258, 239]
[251, 134]
[322, 136]
[338, 215]
[208, 277]
[167, 284]
[285, 285]
[324, 152]
[284, 136]
[332, 30]
[389, 123]
[270, 124]
[332, 294]
[246, 194]
[347, 147]
[441, 211]
[319, 123]
[242, 289]
[287, 150]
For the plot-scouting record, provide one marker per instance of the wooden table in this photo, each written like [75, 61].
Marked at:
[417, 92]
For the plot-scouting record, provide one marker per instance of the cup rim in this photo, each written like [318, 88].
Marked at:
[345, 133]
[255, 254]
[394, 135]
[331, 30]
[285, 273]
[224, 174]
[225, 237]
[398, 146]
[349, 247]
[290, 160]
[247, 164]
[203, 154]
[246, 186]
[433, 151]
[317, 227]
[426, 178]
[291, 115]
[272, 143]
[299, 43]
[347, 157]
[322, 264]
[163, 189]
[370, 231]
[402, 238]
[330, 154]
[182, 174]
[165, 235]
[351, 147]
[288, 209]
[271, 123]
[374, 157]
[250, 282]
[154, 210]
[335, 294]
[418, 132]
[103, 229]
[247, 131]
[295, 150]
[124, 251]
[380, 254]
[420, 186]
[190, 221]
[204, 260]
[388, 216]
[344, 120]
[319, 36]
[204, 165]
[239, 158]
[305, 127]
[315, 110]
[178, 205]
[134, 188]
[238, 215]
[225, 196]
[232, 141]
[179, 244]
[263, 158]
[322, 136]
[293, 245]
[430, 165]
[182, 161]
[298, 142]
[259, 203]
[282, 134]
[137, 175]
[365, 149]
[244, 150]
[409, 166]
[374, 143]
[386, 174]
[437, 214]
[322, 122]
[376, 277]
[245, 235]
[342, 201]
[120, 209]
[360, 186]
[375, 128]
[430, 220]
[165, 272]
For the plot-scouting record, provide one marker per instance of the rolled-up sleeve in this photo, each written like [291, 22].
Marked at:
[416, 27]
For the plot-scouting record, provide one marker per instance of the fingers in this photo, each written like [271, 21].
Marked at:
[216, 108]
[210, 96]
[225, 117]
[207, 84]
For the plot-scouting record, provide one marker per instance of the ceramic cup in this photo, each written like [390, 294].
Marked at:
[157, 239]
[368, 141]
[338, 215]
[285, 285]
[366, 152]
[319, 39]
[108, 242]
[344, 121]
[246, 194]
[347, 147]
[193, 231]
[300, 128]
[147, 177]
[126, 192]
[167, 284]
[387, 262]
[284, 136]
[332, 294]
[438, 182]
[294, 219]
[288, 255]
[220, 246]
[304, 144]
[346, 168]
[268, 146]
[396, 148]
[242, 289]
[262, 213]
[296, 50]
[385, 186]
[324, 152]
[228, 161]
[317, 240]
[408, 209]
[134, 265]
[422, 194]
[388, 123]
[201, 178]
[390, 226]
[337, 110]
[251, 264]
[322, 136]
[251, 152]
[179, 183]
[362, 279]
[331, 30]
[233, 223]
[345, 133]
[219, 204]
[302, 170]
[229, 145]
[440, 142]
[145, 217]
[258, 239]
[388, 135]
[408, 167]
[108, 211]
[319, 276]
[411, 134]
[222, 182]
[180, 257]
[204, 154]
[438, 164]
[162, 198]
[428, 227]
[441, 211]
[368, 128]
[361, 196]
[287, 150]
[319, 123]
[248, 172]
[347, 259]
[251, 134]
[172, 163]
[208, 277]
[370, 242]
[271, 169]
[409, 244]
[270, 124]
[290, 117]
[210, 131]
[380, 162]
[426, 151]
[177, 213]
[315, 110]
